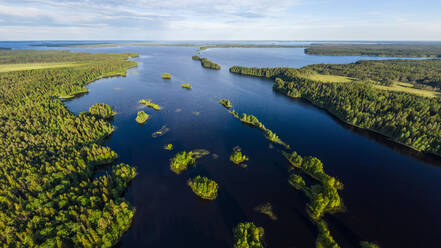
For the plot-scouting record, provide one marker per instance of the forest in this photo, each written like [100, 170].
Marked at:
[382, 50]
[49, 194]
[408, 119]
[248, 235]
[182, 160]
[420, 73]
[206, 63]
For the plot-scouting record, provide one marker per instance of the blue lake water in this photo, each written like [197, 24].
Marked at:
[392, 193]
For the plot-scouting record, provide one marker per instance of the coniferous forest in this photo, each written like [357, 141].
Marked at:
[49, 196]
[406, 118]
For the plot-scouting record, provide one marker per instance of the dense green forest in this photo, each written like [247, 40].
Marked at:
[382, 50]
[102, 110]
[421, 73]
[49, 195]
[206, 63]
[411, 120]
[248, 235]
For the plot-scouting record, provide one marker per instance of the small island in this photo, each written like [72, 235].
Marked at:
[206, 63]
[164, 129]
[166, 75]
[251, 120]
[204, 187]
[186, 86]
[238, 158]
[226, 103]
[150, 104]
[102, 110]
[181, 161]
[168, 147]
[142, 117]
[248, 235]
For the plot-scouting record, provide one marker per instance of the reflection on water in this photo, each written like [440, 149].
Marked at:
[392, 193]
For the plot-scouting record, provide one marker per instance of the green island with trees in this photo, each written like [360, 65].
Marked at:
[203, 187]
[408, 119]
[50, 195]
[248, 235]
[237, 157]
[150, 104]
[206, 63]
[186, 86]
[166, 75]
[226, 103]
[182, 160]
[102, 110]
[142, 117]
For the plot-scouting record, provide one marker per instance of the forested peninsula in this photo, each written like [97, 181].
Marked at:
[49, 194]
[408, 119]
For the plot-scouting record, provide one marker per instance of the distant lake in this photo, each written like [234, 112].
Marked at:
[392, 193]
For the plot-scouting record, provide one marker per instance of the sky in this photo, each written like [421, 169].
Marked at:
[220, 20]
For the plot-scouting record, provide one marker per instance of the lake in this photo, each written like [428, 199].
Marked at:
[392, 193]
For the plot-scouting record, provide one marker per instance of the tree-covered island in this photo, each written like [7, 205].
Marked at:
[203, 187]
[206, 63]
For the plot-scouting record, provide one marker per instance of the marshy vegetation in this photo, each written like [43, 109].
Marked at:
[142, 117]
[266, 209]
[248, 235]
[163, 130]
[168, 147]
[366, 244]
[50, 194]
[186, 86]
[207, 63]
[150, 104]
[166, 75]
[226, 103]
[203, 187]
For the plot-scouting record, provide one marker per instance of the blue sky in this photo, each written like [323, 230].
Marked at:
[220, 20]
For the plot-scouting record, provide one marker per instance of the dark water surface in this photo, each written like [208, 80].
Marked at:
[393, 195]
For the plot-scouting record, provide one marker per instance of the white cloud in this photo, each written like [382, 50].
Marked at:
[209, 19]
